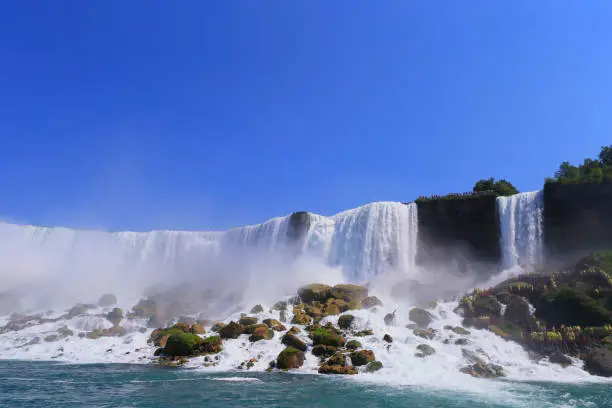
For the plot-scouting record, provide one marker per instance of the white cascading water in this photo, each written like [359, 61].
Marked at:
[521, 224]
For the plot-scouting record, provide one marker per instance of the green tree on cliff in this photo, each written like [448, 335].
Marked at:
[590, 171]
[501, 187]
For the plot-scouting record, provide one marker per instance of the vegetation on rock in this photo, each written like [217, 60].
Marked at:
[345, 321]
[290, 358]
[291, 340]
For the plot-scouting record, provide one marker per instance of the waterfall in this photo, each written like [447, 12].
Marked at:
[521, 224]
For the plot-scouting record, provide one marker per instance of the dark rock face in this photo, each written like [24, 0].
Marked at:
[598, 361]
[421, 317]
[518, 311]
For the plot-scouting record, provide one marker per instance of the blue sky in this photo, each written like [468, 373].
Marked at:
[213, 114]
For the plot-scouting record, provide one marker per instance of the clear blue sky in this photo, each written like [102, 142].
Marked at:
[212, 114]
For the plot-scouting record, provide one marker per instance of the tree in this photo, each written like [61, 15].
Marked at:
[568, 173]
[484, 185]
[605, 156]
[591, 171]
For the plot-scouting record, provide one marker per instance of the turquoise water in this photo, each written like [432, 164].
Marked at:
[34, 384]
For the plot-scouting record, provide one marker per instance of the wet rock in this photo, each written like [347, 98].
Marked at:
[280, 306]
[389, 319]
[374, 366]
[483, 370]
[294, 330]
[349, 292]
[315, 292]
[421, 317]
[115, 316]
[261, 333]
[77, 310]
[321, 350]
[458, 330]
[336, 369]
[257, 309]
[291, 340]
[106, 300]
[211, 345]
[425, 333]
[387, 338]
[300, 317]
[114, 331]
[65, 331]
[518, 311]
[290, 358]
[283, 316]
[353, 345]
[217, 327]
[362, 357]
[598, 361]
[462, 342]
[345, 321]
[370, 302]
[363, 333]
[331, 309]
[271, 322]
[560, 358]
[247, 320]
[328, 338]
[231, 331]
[197, 329]
[486, 306]
[182, 344]
[425, 350]
[51, 338]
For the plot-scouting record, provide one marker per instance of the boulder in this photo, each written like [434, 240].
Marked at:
[363, 333]
[197, 329]
[349, 292]
[145, 308]
[279, 328]
[294, 330]
[425, 350]
[51, 338]
[373, 366]
[345, 321]
[425, 333]
[182, 344]
[290, 358]
[331, 309]
[77, 310]
[292, 341]
[106, 300]
[321, 350]
[598, 361]
[271, 322]
[188, 320]
[421, 317]
[338, 359]
[300, 317]
[370, 302]
[353, 345]
[211, 345]
[327, 338]
[462, 342]
[389, 319]
[283, 316]
[280, 306]
[114, 331]
[217, 327]
[251, 329]
[336, 369]
[184, 327]
[518, 311]
[362, 357]
[231, 331]
[262, 332]
[483, 370]
[247, 320]
[486, 306]
[315, 292]
[387, 338]
[257, 309]
[559, 358]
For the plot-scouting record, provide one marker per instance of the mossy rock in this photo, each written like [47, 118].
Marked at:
[486, 305]
[349, 292]
[292, 341]
[188, 320]
[114, 331]
[460, 331]
[261, 333]
[251, 329]
[425, 350]
[115, 316]
[182, 344]
[503, 297]
[294, 330]
[197, 329]
[257, 309]
[572, 307]
[247, 321]
[425, 333]
[315, 292]
[370, 302]
[327, 338]
[373, 366]
[160, 336]
[279, 328]
[145, 308]
[158, 352]
[217, 327]
[338, 358]
[518, 311]
[280, 306]
[184, 327]
[483, 370]
[300, 317]
[314, 311]
[332, 310]
[336, 369]
[323, 351]
[363, 333]
[211, 345]
[107, 299]
[77, 310]
[290, 358]
[462, 342]
[387, 338]
[362, 357]
[421, 317]
[271, 322]
[353, 345]
[231, 331]
[345, 321]
[480, 322]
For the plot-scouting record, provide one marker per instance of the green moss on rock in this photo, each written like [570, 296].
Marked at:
[290, 358]
[328, 338]
[292, 341]
[231, 331]
[373, 366]
[362, 357]
[353, 345]
[315, 292]
[345, 321]
[182, 344]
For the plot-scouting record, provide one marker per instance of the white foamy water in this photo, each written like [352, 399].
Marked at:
[521, 224]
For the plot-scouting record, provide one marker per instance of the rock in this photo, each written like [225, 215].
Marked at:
[294, 330]
[336, 369]
[388, 338]
[426, 334]
[217, 327]
[461, 331]
[283, 316]
[411, 326]
[598, 361]
[51, 338]
[389, 319]
[349, 292]
[182, 344]
[231, 331]
[425, 350]
[197, 329]
[483, 370]
[271, 322]
[314, 311]
[293, 341]
[370, 302]
[251, 329]
[480, 322]
[503, 297]
[486, 306]
[65, 331]
[290, 358]
[559, 358]
[331, 309]
[315, 292]
[462, 342]
[300, 317]
[211, 345]
[345, 321]
[247, 321]
[518, 311]
[362, 357]
[184, 327]
[321, 350]
[279, 328]
[353, 345]
[262, 332]
[363, 333]
[115, 316]
[187, 320]
[280, 306]
[257, 309]
[470, 356]
[421, 317]
[338, 359]
[77, 310]
[327, 338]
[107, 300]
[145, 308]
[114, 331]
[373, 366]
